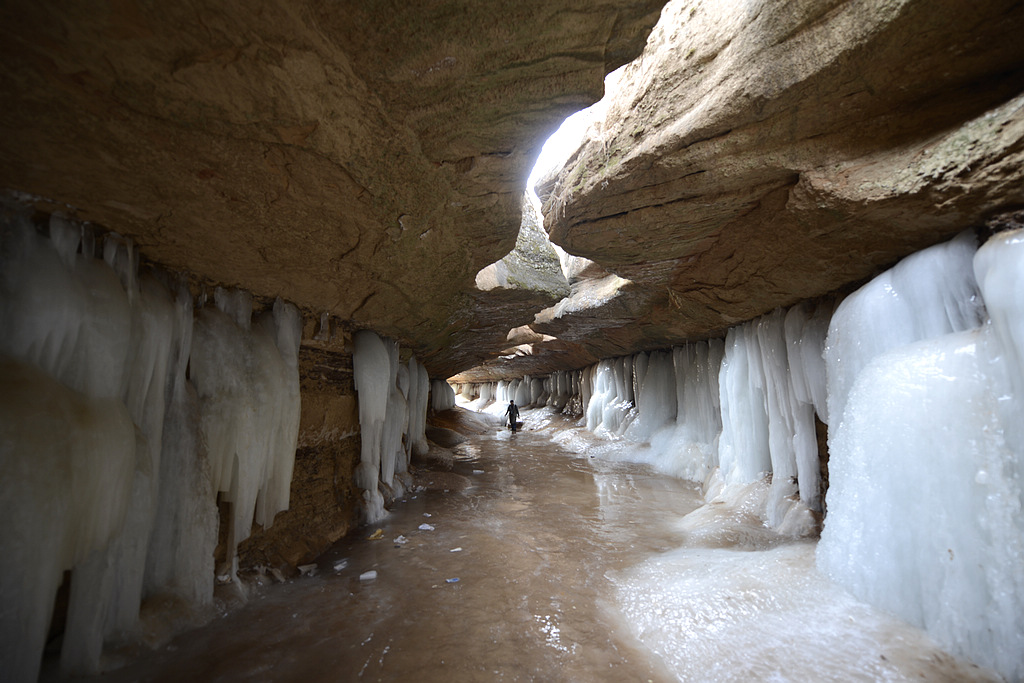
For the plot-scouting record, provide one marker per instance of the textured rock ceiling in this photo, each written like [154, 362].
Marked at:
[360, 158]
[761, 153]
[367, 159]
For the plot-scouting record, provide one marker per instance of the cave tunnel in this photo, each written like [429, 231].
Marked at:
[273, 274]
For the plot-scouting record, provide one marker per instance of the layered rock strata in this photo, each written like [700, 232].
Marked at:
[759, 155]
[363, 159]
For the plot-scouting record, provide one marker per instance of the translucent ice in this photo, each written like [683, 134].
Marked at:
[688, 445]
[925, 503]
[743, 449]
[927, 294]
[655, 389]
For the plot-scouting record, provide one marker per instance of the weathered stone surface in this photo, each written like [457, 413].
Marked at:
[361, 158]
[445, 438]
[755, 156]
[510, 291]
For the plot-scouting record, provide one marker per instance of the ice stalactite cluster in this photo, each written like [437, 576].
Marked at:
[925, 502]
[102, 465]
[392, 418]
[772, 384]
[245, 372]
[919, 376]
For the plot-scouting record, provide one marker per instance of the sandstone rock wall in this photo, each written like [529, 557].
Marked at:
[360, 158]
[324, 503]
[761, 153]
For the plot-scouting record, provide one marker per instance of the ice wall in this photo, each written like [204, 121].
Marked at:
[925, 505]
[746, 406]
[103, 470]
[920, 383]
[927, 294]
[392, 417]
[687, 446]
[610, 409]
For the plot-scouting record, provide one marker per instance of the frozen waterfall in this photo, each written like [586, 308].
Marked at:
[392, 417]
[102, 465]
[925, 504]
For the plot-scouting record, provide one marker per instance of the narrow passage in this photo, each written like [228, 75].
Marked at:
[552, 565]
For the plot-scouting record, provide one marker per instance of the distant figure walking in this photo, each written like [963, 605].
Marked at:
[513, 414]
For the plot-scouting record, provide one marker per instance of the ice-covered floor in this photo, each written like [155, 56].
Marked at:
[557, 566]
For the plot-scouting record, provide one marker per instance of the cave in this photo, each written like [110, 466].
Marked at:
[264, 267]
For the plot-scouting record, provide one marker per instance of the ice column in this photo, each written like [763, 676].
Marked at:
[688, 445]
[396, 419]
[927, 294]
[107, 587]
[523, 396]
[655, 391]
[442, 396]
[392, 417]
[371, 372]
[180, 559]
[743, 450]
[419, 390]
[925, 503]
[610, 409]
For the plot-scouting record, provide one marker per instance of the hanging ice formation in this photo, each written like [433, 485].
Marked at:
[442, 396]
[101, 466]
[922, 386]
[392, 418]
[925, 504]
[246, 376]
[729, 412]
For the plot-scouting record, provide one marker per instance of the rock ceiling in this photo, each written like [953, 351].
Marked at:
[367, 159]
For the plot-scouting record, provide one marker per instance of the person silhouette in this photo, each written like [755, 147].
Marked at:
[512, 412]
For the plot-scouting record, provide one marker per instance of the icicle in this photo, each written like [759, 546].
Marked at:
[371, 372]
[743, 449]
[324, 332]
[419, 390]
